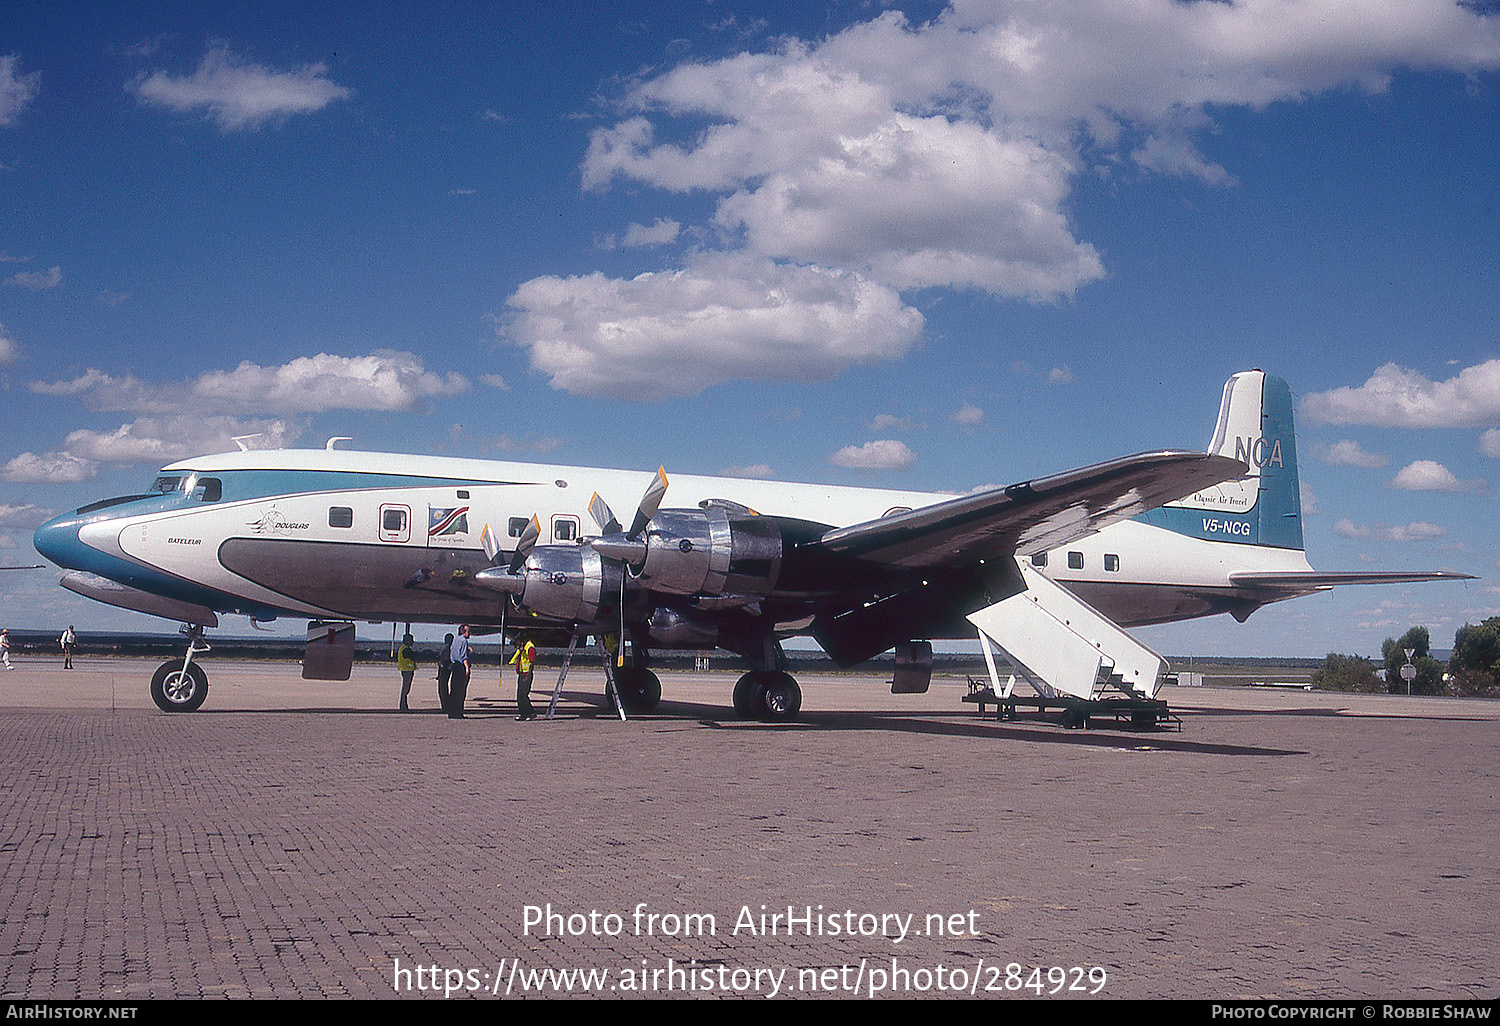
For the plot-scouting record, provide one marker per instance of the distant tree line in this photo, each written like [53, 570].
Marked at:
[1473, 670]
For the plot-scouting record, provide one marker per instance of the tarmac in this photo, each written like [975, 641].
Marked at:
[299, 839]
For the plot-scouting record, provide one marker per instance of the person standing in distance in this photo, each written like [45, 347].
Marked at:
[67, 641]
[458, 685]
[5, 649]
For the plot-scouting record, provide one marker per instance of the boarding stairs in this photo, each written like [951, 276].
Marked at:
[1060, 645]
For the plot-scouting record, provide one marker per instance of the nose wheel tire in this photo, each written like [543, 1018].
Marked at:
[174, 689]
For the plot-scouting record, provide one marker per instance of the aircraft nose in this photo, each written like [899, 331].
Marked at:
[57, 540]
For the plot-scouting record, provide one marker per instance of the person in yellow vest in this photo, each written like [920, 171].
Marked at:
[406, 662]
[524, 660]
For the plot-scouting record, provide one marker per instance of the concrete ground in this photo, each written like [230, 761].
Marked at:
[302, 839]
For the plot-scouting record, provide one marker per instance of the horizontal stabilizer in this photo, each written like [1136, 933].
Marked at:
[1314, 581]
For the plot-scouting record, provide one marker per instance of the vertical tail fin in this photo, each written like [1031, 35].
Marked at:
[1264, 507]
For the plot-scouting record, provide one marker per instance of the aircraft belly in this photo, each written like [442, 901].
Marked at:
[1135, 605]
[368, 582]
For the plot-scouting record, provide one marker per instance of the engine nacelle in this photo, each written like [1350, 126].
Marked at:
[562, 582]
[714, 551]
[676, 629]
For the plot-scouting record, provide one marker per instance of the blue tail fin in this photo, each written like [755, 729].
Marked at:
[1265, 506]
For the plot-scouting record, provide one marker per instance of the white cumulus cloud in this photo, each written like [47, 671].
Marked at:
[37, 281]
[236, 94]
[16, 89]
[1431, 476]
[49, 468]
[1351, 454]
[942, 153]
[676, 333]
[160, 440]
[1397, 397]
[383, 380]
[882, 454]
[1418, 531]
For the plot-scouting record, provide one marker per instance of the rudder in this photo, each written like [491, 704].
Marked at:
[1256, 427]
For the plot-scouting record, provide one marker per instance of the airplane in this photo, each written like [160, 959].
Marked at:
[1049, 571]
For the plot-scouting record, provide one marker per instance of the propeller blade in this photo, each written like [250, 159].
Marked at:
[650, 503]
[487, 539]
[525, 544]
[603, 516]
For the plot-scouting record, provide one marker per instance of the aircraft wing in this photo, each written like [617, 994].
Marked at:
[1033, 516]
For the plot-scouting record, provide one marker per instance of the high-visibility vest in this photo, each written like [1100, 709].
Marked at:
[524, 657]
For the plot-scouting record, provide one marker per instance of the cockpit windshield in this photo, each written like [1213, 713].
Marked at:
[200, 489]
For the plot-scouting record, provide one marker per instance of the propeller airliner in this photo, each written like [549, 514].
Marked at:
[1047, 571]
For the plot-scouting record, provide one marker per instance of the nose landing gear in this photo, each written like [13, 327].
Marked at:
[180, 685]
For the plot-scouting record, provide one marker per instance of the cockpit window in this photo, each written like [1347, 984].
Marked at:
[208, 489]
[164, 484]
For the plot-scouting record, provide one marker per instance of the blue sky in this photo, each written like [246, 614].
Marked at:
[924, 246]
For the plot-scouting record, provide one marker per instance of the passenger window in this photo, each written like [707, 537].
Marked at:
[393, 521]
[1039, 560]
[564, 529]
[1112, 563]
[1075, 561]
[340, 516]
[518, 526]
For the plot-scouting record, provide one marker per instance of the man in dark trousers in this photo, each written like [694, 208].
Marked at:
[458, 685]
[445, 671]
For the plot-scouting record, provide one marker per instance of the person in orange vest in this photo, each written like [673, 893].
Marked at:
[524, 660]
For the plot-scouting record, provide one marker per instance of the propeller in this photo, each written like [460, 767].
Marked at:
[525, 544]
[626, 548]
[650, 503]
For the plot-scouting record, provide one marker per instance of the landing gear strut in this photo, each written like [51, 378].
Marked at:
[180, 685]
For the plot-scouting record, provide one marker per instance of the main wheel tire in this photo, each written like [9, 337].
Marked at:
[640, 690]
[778, 699]
[745, 690]
[174, 689]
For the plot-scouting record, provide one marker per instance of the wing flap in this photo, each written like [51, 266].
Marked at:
[1032, 516]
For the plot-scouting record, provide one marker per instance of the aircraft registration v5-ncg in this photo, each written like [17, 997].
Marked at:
[1048, 571]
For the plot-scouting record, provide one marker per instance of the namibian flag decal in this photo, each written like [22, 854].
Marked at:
[447, 521]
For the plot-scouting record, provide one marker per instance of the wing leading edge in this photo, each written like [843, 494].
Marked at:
[1032, 516]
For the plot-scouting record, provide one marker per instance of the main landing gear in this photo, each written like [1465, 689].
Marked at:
[180, 685]
[771, 696]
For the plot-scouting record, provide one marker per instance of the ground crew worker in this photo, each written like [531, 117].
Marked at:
[406, 662]
[524, 660]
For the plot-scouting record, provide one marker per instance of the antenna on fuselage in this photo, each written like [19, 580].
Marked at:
[336, 439]
[243, 440]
